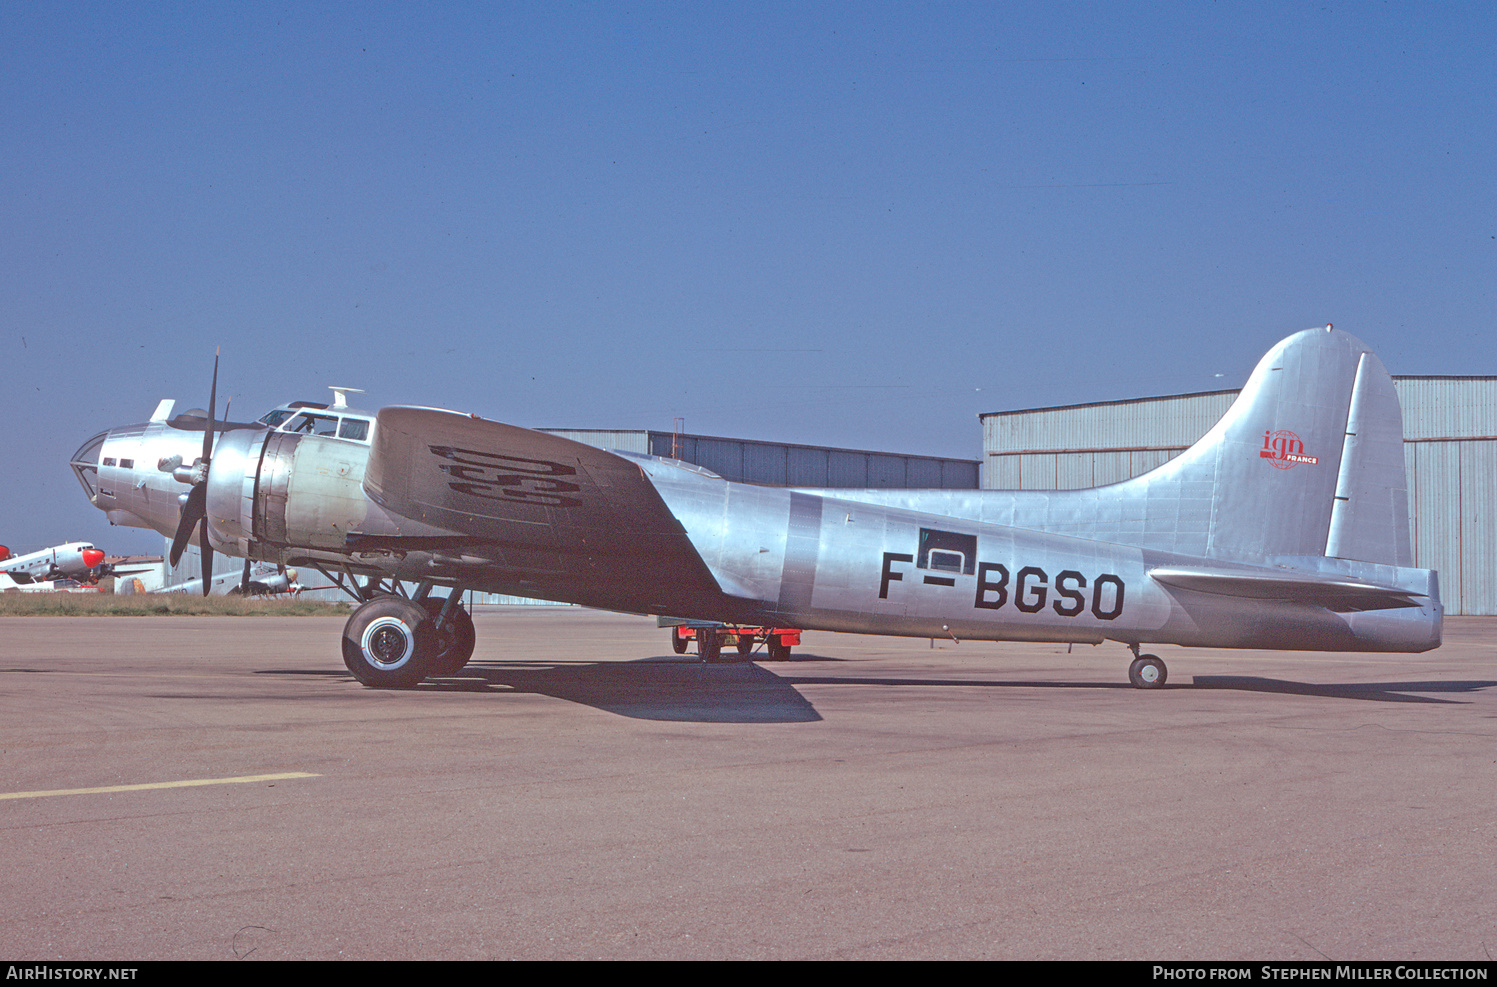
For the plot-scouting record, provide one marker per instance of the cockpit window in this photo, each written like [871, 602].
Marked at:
[311, 424]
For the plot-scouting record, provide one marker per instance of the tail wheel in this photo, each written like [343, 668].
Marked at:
[1147, 672]
[388, 643]
[455, 640]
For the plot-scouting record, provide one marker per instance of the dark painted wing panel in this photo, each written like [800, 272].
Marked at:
[581, 523]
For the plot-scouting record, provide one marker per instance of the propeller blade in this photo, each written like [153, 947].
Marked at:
[212, 403]
[195, 510]
[244, 579]
[207, 551]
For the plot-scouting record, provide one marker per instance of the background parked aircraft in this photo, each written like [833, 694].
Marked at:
[76, 560]
[230, 576]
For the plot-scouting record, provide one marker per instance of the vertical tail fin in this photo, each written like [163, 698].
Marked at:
[1307, 461]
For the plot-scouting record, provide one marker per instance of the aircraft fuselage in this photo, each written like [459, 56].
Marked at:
[1285, 527]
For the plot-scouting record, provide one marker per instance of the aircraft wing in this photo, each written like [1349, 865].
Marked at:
[557, 512]
[132, 571]
[1335, 593]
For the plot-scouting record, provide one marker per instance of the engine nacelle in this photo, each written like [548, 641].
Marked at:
[273, 491]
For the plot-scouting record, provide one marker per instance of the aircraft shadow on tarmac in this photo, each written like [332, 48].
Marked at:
[1383, 692]
[683, 689]
[1389, 692]
[662, 688]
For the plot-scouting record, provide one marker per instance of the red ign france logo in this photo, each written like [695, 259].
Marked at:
[1284, 450]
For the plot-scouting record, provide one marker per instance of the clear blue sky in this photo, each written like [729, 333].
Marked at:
[847, 224]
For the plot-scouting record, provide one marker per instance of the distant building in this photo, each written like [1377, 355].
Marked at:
[1450, 459]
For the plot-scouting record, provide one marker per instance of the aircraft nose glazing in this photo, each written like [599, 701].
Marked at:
[85, 463]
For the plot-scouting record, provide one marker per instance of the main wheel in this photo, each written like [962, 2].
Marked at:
[709, 644]
[745, 644]
[455, 641]
[1147, 672]
[388, 643]
[678, 643]
[778, 649]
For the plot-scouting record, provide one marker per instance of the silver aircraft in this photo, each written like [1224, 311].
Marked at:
[77, 560]
[1285, 527]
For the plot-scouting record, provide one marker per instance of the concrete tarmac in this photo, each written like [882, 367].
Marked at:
[581, 792]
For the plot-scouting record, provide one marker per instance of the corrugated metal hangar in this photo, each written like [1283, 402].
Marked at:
[1450, 459]
[783, 464]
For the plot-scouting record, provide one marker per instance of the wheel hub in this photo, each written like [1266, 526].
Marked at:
[388, 643]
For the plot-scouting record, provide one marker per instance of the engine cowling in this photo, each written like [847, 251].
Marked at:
[269, 492]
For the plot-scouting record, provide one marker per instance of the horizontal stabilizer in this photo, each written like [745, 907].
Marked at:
[1335, 593]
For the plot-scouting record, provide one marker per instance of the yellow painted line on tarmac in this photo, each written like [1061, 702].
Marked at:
[239, 780]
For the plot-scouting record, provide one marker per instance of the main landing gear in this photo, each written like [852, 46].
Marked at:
[393, 643]
[1147, 671]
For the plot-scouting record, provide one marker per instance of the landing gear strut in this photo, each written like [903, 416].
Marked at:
[455, 637]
